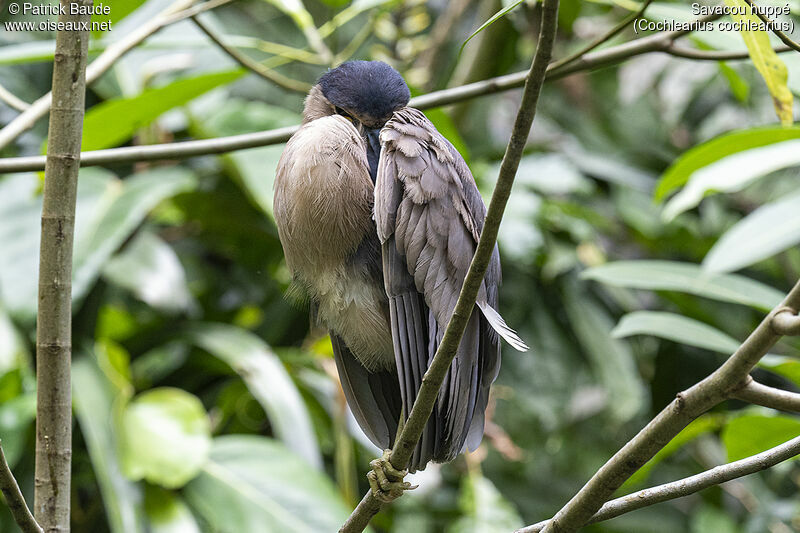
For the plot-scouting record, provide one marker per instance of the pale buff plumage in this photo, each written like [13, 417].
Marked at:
[323, 170]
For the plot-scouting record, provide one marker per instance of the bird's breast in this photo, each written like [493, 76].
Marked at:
[323, 193]
[323, 210]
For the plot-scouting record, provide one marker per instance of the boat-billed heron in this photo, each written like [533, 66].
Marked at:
[379, 217]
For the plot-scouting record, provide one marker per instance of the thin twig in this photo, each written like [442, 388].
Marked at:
[181, 150]
[254, 66]
[178, 10]
[13, 102]
[15, 500]
[772, 27]
[603, 38]
[689, 485]
[432, 381]
[688, 405]
[759, 394]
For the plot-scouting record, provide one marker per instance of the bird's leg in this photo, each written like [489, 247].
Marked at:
[386, 481]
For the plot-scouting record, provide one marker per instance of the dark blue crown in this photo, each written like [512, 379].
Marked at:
[368, 88]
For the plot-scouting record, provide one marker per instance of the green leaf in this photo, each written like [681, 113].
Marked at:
[108, 211]
[688, 278]
[766, 61]
[268, 382]
[257, 485]
[115, 121]
[733, 173]
[710, 152]
[765, 232]
[612, 360]
[94, 398]
[120, 10]
[696, 428]
[167, 513]
[484, 509]
[121, 209]
[165, 437]
[494, 18]
[150, 269]
[786, 367]
[676, 328]
[751, 434]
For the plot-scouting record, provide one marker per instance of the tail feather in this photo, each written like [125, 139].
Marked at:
[502, 329]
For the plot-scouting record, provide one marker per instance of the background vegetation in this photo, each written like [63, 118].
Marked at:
[203, 402]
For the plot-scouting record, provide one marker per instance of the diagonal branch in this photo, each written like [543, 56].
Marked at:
[16, 502]
[251, 64]
[434, 377]
[177, 11]
[722, 384]
[689, 485]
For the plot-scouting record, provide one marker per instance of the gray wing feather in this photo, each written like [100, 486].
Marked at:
[372, 396]
[429, 215]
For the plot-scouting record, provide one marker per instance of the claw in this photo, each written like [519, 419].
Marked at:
[386, 481]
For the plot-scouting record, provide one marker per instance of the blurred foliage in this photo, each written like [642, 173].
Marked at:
[204, 402]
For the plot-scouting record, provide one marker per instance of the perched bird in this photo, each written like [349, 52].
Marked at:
[379, 217]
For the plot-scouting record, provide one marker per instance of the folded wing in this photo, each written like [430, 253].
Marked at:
[429, 216]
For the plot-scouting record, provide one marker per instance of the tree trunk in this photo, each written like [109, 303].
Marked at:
[54, 320]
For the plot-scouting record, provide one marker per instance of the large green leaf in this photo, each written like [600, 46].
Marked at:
[121, 209]
[766, 61]
[767, 231]
[686, 277]
[150, 269]
[108, 211]
[611, 359]
[719, 148]
[94, 399]
[165, 437]
[751, 434]
[267, 380]
[677, 328]
[732, 174]
[115, 121]
[257, 485]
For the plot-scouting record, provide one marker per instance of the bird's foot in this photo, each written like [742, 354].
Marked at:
[386, 481]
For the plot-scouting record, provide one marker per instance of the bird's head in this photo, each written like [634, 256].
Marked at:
[364, 92]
